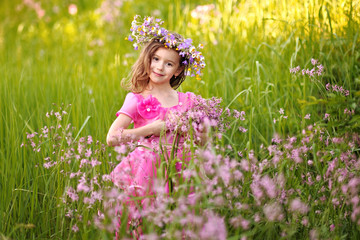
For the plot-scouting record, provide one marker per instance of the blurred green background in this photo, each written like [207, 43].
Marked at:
[74, 52]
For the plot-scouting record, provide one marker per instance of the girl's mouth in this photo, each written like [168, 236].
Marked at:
[158, 74]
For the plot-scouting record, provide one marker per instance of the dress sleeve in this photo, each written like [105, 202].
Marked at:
[129, 107]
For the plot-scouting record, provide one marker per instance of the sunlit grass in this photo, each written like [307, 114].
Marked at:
[80, 60]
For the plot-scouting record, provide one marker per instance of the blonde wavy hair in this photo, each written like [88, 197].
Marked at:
[140, 72]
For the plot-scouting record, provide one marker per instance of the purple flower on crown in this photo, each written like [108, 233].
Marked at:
[186, 44]
[162, 32]
[149, 107]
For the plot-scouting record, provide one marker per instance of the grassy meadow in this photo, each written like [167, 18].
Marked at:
[296, 160]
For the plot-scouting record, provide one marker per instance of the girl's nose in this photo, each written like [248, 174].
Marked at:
[160, 66]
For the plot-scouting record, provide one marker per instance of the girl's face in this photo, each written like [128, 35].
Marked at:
[164, 65]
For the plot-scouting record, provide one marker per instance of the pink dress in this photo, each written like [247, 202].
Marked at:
[136, 172]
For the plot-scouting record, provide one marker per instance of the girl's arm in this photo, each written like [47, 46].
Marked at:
[119, 134]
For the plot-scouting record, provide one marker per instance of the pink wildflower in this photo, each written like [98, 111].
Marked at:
[337, 140]
[121, 149]
[355, 200]
[72, 175]
[257, 217]
[214, 228]
[89, 139]
[58, 116]
[295, 155]
[49, 164]
[241, 129]
[305, 221]
[327, 86]
[238, 175]
[94, 162]
[83, 162]
[89, 201]
[273, 212]
[29, 136]
[236, 221]
[72, 194]
[244, 164]
[82, 187]
[332, 227]
[276, 139]
[106, 177]
[314, 61]
[72, 9]
[297, 205]
[268, 184]
[69, 213]
[256, 191]
[245, 224]
[75, 228]
[312, 72]
[224, 173]
[295, 69]
[335, 202]
[236, 114]
[355, 213]
[242, 114]
[88, 152]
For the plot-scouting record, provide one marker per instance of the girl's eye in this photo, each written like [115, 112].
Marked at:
[155, 58]
[170, 64]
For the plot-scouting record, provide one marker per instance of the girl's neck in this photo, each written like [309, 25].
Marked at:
[158, 90]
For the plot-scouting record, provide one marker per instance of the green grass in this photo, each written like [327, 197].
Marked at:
[250, 47]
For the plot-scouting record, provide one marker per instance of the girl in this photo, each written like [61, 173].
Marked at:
[162, 66]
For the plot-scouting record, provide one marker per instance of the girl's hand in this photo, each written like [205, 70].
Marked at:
[157, 127]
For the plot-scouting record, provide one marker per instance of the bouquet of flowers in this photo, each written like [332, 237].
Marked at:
[204, 116]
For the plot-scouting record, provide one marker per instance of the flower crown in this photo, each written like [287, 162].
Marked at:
[151, 29]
